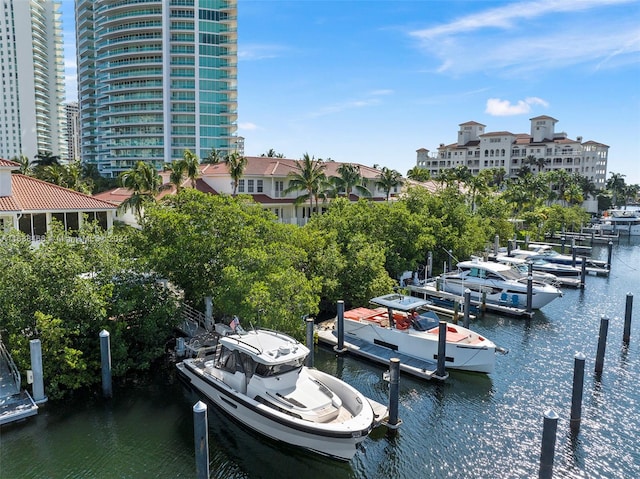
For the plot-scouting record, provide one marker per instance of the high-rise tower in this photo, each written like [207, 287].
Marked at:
[32, 116]
[156, 77]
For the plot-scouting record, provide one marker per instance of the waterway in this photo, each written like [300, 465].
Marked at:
[471, 426]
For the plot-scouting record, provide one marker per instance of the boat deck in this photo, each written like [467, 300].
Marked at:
[379, 354]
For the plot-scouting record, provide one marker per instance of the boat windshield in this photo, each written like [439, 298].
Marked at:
[267, 370]
[425, 321]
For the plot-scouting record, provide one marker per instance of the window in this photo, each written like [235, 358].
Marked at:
[240, 186]
[279, 186]
[259, 186]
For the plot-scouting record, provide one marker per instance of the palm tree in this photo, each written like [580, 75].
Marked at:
[616, 185]
[350, 179]
[25, 164]
[587, 186]
[271, 153]
[213, 157]
[177, 173]
[499, 175]
[309, 177]
[191, 165]
[145, 182]
[630, 193]
[477, 185]
[388, 179]
[573, 194]
[236, 163]
[46, 158]
[418, 173]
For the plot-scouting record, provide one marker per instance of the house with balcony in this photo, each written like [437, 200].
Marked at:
[30, 205]
[265, 179]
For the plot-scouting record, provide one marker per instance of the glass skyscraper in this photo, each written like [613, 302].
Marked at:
[156, 77]
[32, 116]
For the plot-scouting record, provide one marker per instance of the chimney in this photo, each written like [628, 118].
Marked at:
[5, 180]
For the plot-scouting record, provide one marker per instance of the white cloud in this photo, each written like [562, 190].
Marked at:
[498, 107]
[529, 36]
[247, 126]
[260, 51]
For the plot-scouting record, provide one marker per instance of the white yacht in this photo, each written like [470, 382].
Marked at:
[625, 220]
[414, 331]
[258, 377]
[498, 282]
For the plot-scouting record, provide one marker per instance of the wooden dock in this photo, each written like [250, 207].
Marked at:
[379, 354]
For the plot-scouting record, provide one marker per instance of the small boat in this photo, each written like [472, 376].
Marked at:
[258, 377]
[403, 323]
[546, 253]
[498, 282]
[542, 269]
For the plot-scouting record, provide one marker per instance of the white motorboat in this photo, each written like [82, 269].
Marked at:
[402, 323]
[498, 282]
[542, 269]
[544, 253]
[624, 220]
[258, 377]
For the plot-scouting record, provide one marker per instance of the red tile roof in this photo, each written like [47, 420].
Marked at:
[30, 194]
[9, 163]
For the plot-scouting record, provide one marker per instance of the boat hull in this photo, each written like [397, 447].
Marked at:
[424, 345]
[338, 442]
[496, 293]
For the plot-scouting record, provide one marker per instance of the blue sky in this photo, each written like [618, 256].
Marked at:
[370, 82]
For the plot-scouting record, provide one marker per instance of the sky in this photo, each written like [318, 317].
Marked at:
[372, 81]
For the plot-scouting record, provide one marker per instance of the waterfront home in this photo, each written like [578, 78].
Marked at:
[30, 205]
[266, 179]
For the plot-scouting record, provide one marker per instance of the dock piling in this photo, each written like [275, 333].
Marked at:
[609, 254]
[578, 385]
[339, 348]
[429, 271]
[201, 439]
[309, 322]
[442, 349]
[583, 272]
[105, 359]
[208, 313]
[394, 388]
[626, 334]
[35, 348]
[467, 307]
[529, 294]
[547, 452]
[602, 344]
[573, 252]
[496, 244]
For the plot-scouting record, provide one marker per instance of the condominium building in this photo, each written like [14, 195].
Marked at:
[32, 89]
[479, 150]
[155, 77]
[72, 131]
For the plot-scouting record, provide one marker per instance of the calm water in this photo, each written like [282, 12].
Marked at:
[471, 426]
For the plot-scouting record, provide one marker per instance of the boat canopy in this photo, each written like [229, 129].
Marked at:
[400, 302]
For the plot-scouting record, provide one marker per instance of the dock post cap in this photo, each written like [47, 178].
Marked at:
[551, 414]
[104, 333]
[580, 356]
[199, 407]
